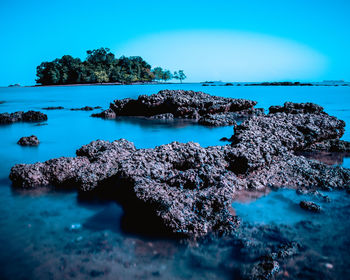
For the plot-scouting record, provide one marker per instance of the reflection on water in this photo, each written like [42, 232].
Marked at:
[59, 235]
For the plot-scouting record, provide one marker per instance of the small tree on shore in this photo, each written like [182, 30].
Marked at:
[180, 75]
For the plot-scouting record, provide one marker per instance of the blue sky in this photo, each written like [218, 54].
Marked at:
[248, 40]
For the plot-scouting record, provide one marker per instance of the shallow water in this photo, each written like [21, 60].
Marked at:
[55, 235]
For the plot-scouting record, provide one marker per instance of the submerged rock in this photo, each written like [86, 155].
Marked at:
[198, 106]
[310, 206]
[29, 141]
[167, 116]
[20, 116]
[54, 108]
[190, 188]
[86, 108]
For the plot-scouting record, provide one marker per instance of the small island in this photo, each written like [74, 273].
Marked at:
[102, 66]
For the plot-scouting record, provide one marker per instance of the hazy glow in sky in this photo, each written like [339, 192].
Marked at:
[228, 55]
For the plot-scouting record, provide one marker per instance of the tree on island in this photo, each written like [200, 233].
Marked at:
[100, 66]
[158, 73]
[180, 75]
[167, 75]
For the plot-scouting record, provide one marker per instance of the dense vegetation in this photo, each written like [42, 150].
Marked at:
[101, 66]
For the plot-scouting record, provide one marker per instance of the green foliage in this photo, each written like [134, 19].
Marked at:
[160, 74]
[100, 66]
[180, 75]
[167, 75]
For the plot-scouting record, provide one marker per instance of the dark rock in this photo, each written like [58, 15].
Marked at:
[265, 269]
[225, 139]
[297, 108]
[29, 141]
[20, 116]
[167, 116]
[330, 145]
[86, 108]
[310, 206]
[2, 102]
[228, 84]
[54, 108]
[182, 104]
[190, 188]
[218, 119]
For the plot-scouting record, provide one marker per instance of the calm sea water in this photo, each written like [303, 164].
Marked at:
[55, 235]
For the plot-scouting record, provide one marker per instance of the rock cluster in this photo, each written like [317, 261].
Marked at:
[190, 188]
[20, 116]
[29, 141]
[86, 108]
[198, 106]
[54, 108]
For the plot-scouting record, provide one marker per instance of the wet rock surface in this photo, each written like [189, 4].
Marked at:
[29, 141]
[86, 108]
[310, 206]
[54, 108]
[20, 116]
[188, 188]
[198, 106]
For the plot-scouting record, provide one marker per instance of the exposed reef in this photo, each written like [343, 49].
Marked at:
[310, 206]
[188, 188]
[198, 106]
[20, 116]
[86, 108]
[29, 141]
[54, 108]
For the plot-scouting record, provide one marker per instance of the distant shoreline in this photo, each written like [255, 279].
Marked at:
[219, 83]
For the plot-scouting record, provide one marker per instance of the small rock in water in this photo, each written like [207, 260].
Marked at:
[29, 141]
[54, 108]
[310, 206]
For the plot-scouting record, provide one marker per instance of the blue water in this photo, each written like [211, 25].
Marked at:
[55, 235]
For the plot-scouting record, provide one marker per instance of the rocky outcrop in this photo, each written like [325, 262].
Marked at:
[297, 108]
[54, 108]
[310, 206]
[198, 106]
[29, 141]
[86, 108]
[330, 145]
[20, 116]
[190, 188]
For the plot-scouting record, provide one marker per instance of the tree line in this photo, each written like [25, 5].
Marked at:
[101, 66]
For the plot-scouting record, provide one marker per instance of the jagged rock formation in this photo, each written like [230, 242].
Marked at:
[198, 106]
[29, 141]
[190, 188]
[20, 116]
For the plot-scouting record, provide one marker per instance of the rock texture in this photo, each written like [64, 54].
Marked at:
[86, 108]
[29, 141]
[54, 108]
[310, 206]
[169, 104]
[190, 188]
[20, 116]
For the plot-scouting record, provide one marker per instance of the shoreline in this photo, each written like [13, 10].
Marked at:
[205, 84]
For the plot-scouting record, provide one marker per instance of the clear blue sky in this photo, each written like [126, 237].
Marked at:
[303, 39]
